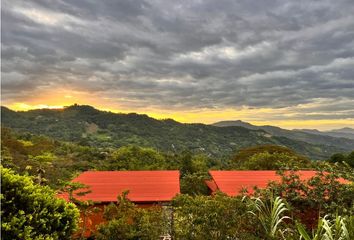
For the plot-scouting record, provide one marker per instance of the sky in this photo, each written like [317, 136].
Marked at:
[278, 62]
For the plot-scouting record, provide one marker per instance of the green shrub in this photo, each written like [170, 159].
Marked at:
[268, 157]
[212, 217]
[322, 194]
[271, 215]
[126, 221]
[31, 211]
[336, 229]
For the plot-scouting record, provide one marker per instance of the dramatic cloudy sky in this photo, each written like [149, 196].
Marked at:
[280, 62]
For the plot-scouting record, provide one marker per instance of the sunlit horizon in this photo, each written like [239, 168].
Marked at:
[204, 116]
[288, 65]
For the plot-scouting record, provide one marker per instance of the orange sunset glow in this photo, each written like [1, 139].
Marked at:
[190, 65]
[254, 116]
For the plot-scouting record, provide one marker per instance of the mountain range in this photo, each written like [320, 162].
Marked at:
[341, 137]
[86, 125]
[339, 133]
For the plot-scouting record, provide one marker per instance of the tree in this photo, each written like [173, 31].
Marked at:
[268, 161]
[6, 158]
[31, 211]
[342, 158]
[319, 195]
[268, 157]
[194, 184]
[350, 159]
[126, 221]
[42, 161]
[337, 157]
[87, 208]
[136, 158]
[216, 217]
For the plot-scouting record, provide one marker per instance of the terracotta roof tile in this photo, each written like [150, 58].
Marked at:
[143, 186]
[232, 182]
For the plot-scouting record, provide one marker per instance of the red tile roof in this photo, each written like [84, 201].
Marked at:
[211, 185]
[143, 186]
[232, 182]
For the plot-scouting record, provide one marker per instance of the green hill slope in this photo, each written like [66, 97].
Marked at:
[338, 133]
[314, 137]
[89, 126]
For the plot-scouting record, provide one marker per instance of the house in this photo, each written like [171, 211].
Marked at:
[233, 182]
[146, 188]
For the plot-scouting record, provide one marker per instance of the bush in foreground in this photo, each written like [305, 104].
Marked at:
[31, 211]
[212, 217]
[129, 222]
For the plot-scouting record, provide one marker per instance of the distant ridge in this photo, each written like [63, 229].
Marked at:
[338, 133]
[235, 123]
[339, 138]
[344, 130]
[86, 125]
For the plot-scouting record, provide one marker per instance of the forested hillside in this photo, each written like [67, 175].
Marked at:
[314, 136]
[35, 167]
[338, 133]
[88, 126]
[30, 162]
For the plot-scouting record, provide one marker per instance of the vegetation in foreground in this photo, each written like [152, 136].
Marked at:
[320, 208]
[31, 211]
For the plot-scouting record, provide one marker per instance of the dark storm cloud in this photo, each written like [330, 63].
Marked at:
[184, 54]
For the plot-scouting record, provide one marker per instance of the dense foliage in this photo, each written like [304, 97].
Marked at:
[343, 158]
[136, 158]
[320, 195]
[212, 217]
[339, 228]
[55, 161]
[43, 160]
[271, 216]
[268, 157]
[126, 221]
[30, 211]
[341, 138]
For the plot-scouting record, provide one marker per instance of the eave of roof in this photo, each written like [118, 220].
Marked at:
[211, 185]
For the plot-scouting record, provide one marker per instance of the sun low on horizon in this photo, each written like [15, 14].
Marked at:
[287, 64]
[204, 116]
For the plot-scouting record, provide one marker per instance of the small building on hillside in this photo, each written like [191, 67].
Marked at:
[146, 188]
[232, 183]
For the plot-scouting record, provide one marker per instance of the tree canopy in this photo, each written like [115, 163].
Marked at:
[343, 158]
[268, 157]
